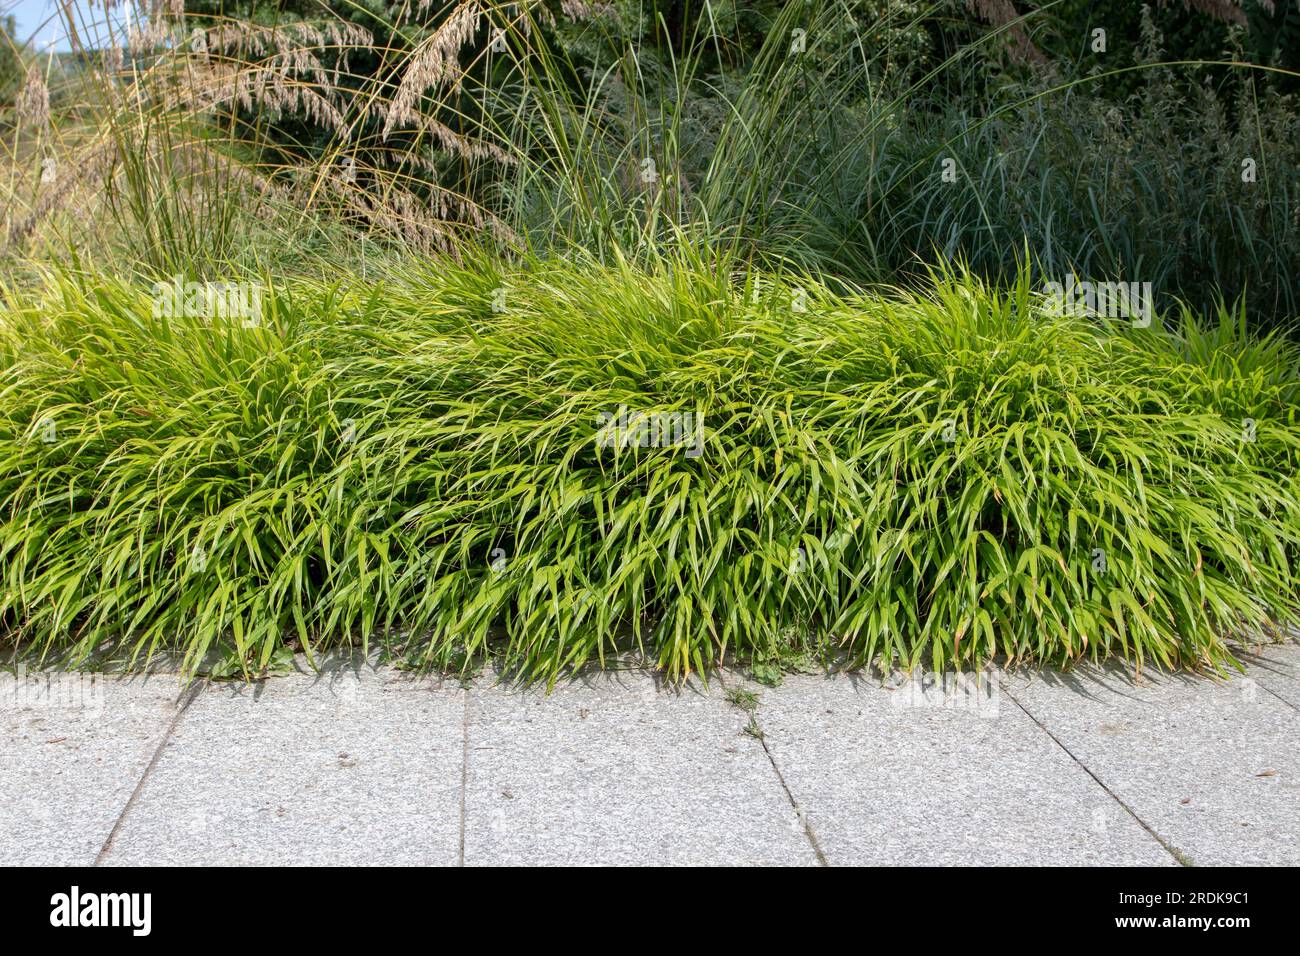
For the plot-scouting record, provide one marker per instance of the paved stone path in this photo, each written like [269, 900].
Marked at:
[364, 765]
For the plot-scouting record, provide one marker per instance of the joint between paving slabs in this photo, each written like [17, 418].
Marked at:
[1274, 693]
[755, 730]
[187, 697]
[464, 772]
[1182, 858]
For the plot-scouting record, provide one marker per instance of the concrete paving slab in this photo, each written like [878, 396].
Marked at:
[72, 748]
[1212, 767]
[1276, 667]
[934, 773]
[618, 770]
[354, 766]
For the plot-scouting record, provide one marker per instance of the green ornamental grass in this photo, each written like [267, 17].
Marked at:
[556, 462]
